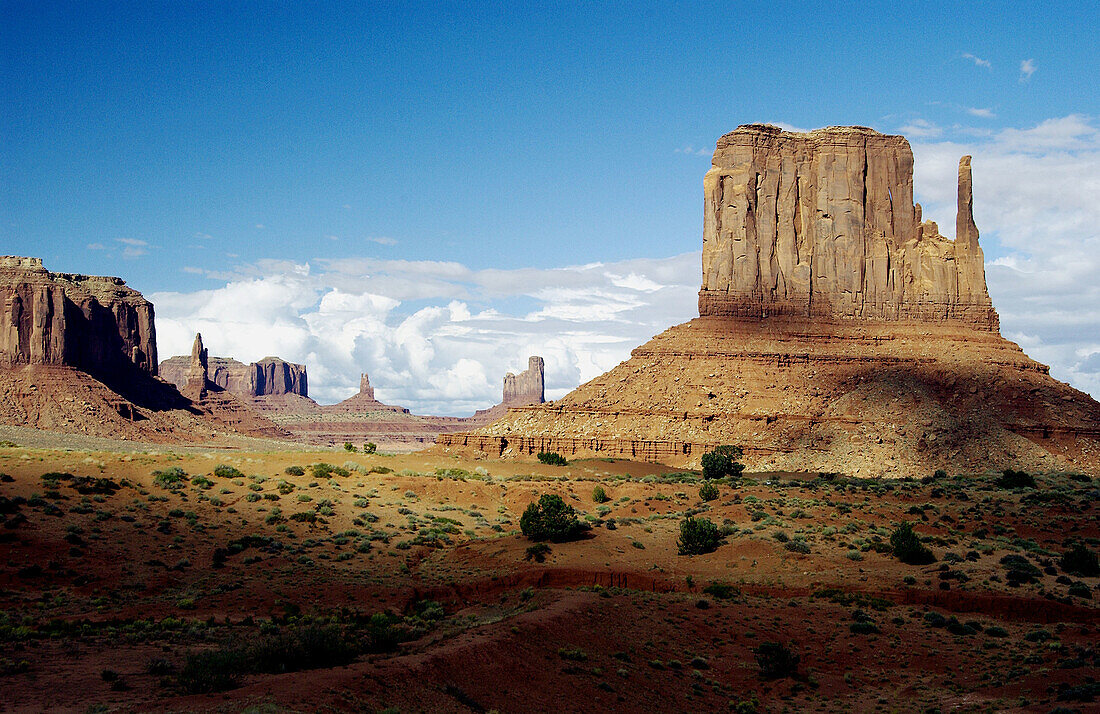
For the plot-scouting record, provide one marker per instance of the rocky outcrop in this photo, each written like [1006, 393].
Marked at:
[837, 332]
[270, 376]
[365, 390]
[527, 386]
[96, 324]
[823, 224]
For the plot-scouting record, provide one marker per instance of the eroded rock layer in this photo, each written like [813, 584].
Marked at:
[824, 224]
[527, 386]
[837, 333]
[92, 323]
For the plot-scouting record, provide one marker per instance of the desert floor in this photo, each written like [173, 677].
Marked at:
[402, 583]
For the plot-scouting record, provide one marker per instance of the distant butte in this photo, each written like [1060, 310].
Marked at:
[837, 332]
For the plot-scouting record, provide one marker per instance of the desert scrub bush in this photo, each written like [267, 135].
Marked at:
[722, 462]
[708, 492]
[348, 446]
[1020, 570]
[370, 447]
[1080, 561]
[552, 458]
[294, 471]
[171, 478]
[797, 546]
[599, 495]
[697, 536]
[1015, 479]
[325, 471]
[906, 546]
[550, 519]
[721, 590]
[573, 654]
[252, 497]
[225, 471]
[304, 517]
[537, 552]
[202, 482]
[775, 661]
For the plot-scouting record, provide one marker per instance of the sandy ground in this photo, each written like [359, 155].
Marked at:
[107, 587]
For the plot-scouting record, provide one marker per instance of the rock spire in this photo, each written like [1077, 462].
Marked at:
[527, 386]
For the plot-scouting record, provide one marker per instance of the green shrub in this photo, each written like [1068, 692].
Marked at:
[550, 519]
[552, 458]
[1080, 561]
[295, 471]
[1015, 479]
[170, 478]
[698, 536]
[775, 661]
[708, 492]
[537, 552]
[722, 462]
[599, 495]
[906, 546]
[370, 447]
[348, 446]
[223, 471]
[721, 590]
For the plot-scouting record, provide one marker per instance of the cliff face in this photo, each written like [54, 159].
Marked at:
[823, 224]
[269, 376]
[92, 323]
[527, 386]
[837, 332]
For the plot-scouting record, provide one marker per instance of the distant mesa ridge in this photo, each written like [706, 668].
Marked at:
[269, 376]
[823, 224]
[93, 323]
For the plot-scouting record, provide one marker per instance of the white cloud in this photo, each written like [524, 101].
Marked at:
[1035, 204]
[133, 247]
[383, 240]
[343, 317]
[96, 246]
[691, 151]
[1027, 68]
[978, 61]
[921, 129]
[979, 112]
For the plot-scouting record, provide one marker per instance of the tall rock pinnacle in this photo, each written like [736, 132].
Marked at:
[526, 387]
[197, 377]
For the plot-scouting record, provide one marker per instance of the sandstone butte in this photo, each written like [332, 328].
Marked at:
[270, 376]
[361, 417]
[837, 332]
[78, 354]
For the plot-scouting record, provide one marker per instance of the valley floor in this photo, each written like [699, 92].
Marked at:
[269, 579]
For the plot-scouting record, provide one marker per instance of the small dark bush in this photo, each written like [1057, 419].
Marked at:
[708, 492]
[907, 547]
[550, 519]
[599, 495]
[295, 471]
[1015, 479]
[537, 552]
[1019, 570]
[721, 591]
[775, 661]
[722, 462]
[348, 446]
[698, 536]
[370, 447]
[552, 458]
[798, 546]
[1080, 561]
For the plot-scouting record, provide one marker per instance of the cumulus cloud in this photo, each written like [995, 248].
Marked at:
[1035, 205]
[346, 316]
[978, 61]
[921, 129]
[1027, 68]
[984, 113]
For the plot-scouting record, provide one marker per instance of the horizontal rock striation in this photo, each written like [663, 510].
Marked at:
[823, 224]
[96, 324]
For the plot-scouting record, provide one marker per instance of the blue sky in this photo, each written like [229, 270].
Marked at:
[188, 145]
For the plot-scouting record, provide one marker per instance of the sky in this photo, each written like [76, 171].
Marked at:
[430, 192]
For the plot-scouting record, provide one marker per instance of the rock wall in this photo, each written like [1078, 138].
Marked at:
[269, 376]
[92, 323]
[527, 386]
[823, 224]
